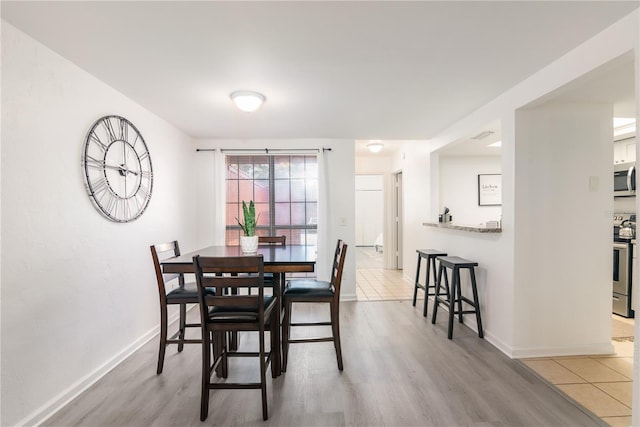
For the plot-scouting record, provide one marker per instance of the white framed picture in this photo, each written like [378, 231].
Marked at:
[490, 189]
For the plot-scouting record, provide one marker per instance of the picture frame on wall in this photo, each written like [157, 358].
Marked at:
[490, 189]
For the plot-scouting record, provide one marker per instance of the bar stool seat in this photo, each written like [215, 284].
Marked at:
[430, 255]
[455, 297]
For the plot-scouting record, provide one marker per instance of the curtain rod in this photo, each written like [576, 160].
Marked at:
[266, 150]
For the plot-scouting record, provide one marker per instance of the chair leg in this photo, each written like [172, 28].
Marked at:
[275, 342]
[206, 372]
[286, 330]
[183, 322]
[263, 374]
[224, 348]
[163, 339]
[335, 326]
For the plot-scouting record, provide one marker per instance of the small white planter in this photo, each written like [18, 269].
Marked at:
[249, 245]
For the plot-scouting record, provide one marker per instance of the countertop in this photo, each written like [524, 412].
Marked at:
[454, 226]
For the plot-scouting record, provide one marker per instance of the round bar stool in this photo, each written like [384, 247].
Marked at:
[455, 296]
[430, 255]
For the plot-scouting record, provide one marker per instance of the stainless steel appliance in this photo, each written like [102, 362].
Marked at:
[624, 179]
[623, 262]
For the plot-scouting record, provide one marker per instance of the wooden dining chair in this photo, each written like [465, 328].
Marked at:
[272, 241]
[183, 294]
[315, 291]
[226, 312]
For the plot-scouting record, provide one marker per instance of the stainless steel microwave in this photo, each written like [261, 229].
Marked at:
[624, 179]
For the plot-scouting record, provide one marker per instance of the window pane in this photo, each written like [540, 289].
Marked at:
[311, 237]
[298, 216]
[312, 214]
[297, 167]
[311, 167]
[297, 237]
[261, 191]
[297, 190]
[283, 216]
[262, 209]
[233, 237]
[261, 167]
[232, 167]
[245, 168]
[232, 213]
[232, 190]
[246, 190]
[281, 167]
[311, 188]
[281, 188]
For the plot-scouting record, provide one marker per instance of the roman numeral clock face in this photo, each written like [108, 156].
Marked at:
[117, 169]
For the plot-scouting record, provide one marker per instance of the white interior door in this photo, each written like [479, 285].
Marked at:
[369, 209]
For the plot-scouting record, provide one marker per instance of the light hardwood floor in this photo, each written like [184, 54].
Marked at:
[400, 370]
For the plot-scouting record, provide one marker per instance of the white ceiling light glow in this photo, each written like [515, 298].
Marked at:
[375, 146]
[247, 101]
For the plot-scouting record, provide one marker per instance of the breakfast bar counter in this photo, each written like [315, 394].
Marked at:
[452, 226]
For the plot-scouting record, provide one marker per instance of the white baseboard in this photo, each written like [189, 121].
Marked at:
[58, 402]
[348, 297]
[571, 350]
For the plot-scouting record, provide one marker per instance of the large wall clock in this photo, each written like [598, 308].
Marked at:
[117, 169]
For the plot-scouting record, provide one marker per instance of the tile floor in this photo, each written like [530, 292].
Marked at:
[374, 283]
[602, 384]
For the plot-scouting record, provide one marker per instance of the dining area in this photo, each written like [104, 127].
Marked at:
[236, 292]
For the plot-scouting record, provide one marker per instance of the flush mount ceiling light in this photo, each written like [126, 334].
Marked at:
[495, 144]
[247, 100]
[375, 146]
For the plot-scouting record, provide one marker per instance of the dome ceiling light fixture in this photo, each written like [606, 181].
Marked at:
[375, 146]
[247, 101]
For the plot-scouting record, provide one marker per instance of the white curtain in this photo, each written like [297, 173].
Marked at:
[325, 247]
[220, 198]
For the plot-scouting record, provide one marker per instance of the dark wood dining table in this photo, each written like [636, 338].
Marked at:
[278, 260]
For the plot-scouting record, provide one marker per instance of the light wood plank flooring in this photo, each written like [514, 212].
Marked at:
[399, 371]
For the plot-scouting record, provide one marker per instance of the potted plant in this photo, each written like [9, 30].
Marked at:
[248, 242]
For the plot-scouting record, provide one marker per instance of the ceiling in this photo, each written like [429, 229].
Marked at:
[388, 70]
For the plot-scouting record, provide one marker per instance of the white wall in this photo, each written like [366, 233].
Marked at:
[78, 291]
[563, 229]
[459, 188]
[341, 192]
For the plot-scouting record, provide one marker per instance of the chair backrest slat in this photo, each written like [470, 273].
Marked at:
[272, 240]
[160, 252]
[226, 275]
[338, 267]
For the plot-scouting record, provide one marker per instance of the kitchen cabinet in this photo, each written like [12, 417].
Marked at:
[624, 150]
